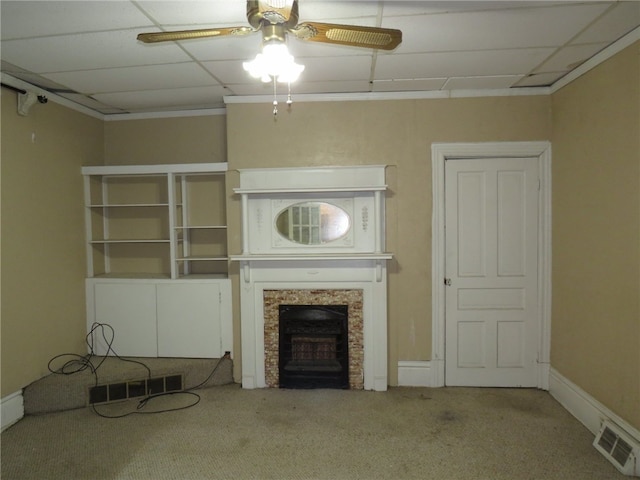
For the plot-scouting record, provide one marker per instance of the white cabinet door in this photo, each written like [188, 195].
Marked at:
[189, 320]
[130, 308]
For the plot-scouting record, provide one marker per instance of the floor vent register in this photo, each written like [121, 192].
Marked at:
[119, 391]
[618, 447]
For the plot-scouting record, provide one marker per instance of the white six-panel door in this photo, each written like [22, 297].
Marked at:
[491, 325]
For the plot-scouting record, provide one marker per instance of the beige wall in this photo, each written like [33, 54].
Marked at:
[43, 260]
[596, 233]
[166, 140]
[394, 133]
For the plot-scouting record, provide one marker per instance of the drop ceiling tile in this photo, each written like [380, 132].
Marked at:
[10, 68]
[459, 64]
[426, 84]
[90, 103]
[623, 18]
[569, 57]
[37, 80]
[88, 51]
[321, 69]
[197, 97]
[187, 14]
[504, 29]
[344, 86]
[125, 79]
[397, 8]
[488, 82]
[540, 79]
[336, 11]
[228, 72]
[22, 19]
[224, 48]
[411, 8]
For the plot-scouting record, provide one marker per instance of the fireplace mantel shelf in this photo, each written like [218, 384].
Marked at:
[307, 256]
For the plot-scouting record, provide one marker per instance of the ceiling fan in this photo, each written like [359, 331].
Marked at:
[276, 18]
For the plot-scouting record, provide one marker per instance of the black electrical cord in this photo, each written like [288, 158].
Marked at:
[142, 403]
[226, 355]
[79, 363]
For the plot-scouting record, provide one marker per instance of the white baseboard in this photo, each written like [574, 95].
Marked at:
[11, 409]
[414, 374]
[589, 411]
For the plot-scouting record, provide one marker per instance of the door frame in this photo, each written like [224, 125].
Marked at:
[440, 152]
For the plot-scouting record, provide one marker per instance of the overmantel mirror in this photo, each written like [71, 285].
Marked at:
[313, 223]
[312, 213]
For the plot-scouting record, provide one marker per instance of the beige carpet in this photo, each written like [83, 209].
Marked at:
[405, 433]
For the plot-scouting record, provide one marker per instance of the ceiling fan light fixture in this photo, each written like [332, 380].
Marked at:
[274, 63]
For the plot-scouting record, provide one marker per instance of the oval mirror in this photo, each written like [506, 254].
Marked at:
[313, 223]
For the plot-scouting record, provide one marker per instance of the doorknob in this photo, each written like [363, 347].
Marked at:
[447, 282]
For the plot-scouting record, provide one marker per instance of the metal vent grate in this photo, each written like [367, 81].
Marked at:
[117, 391]
[608, 439]
[617, 447]
[621, 452]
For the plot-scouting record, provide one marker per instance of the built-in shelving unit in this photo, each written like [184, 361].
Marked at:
[157, 259]
[156, 220]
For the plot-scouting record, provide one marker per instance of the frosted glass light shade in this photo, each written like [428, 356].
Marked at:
[275, 61]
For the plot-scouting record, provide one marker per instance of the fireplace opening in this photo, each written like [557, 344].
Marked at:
[314, 348]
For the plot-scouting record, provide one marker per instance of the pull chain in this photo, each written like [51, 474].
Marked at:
[275, 99]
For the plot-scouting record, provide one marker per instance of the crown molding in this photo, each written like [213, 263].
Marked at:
[372, 96]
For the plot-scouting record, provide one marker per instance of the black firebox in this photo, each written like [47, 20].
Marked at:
[314, 348]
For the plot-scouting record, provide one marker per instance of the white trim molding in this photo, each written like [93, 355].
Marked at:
[402, 95]
[589, 411]
[414, 373]
[11, 409]
[439, 153]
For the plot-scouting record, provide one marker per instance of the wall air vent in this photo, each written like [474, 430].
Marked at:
[618, 447]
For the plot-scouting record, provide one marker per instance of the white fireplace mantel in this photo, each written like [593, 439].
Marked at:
[355, 261]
